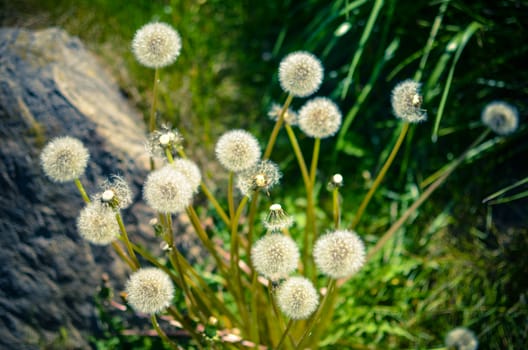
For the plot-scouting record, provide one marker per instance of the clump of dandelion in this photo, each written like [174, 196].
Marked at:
[115, 192]
[261, 177]
[407, 102]
[167, 190]
[156, 45]
[297, 298]
[339, 253]
[277, 219]
[500, 117]
[190, 170]
[164, 139]
[237, 150]
[275, 256]
[320, 118]
[290, 117]
[461, 338]
[97, 223]
[150, 290]
[300, 73]
[64, 159]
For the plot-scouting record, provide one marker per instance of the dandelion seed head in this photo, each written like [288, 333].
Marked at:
[290, 117]
[275, 256]
[260, 177]
[407, 102]
[277, 219]
[64, 159]
[190, 170]
[167, 190]
[150, 290]
[297, 298]
[500, 117]
[237, 150]
[156, 45]
[300, 73]
[319, 118]
[115, 192]
[339, 253]
[461, 338]
[97, 223]
[162, 139]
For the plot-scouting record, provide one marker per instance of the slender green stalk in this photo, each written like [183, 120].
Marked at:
[186, 325]
[80, 187]
[276, 128]
[314, 320]
[123, 255]
[251, 223]
[230, 198]
[124, 234]
[336, 207]
[315, 159]
[380, 176]
[162, 334]
[286, 331]
[255, 288]
[168, 154]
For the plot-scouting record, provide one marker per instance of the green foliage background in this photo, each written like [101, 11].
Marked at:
[457, 261]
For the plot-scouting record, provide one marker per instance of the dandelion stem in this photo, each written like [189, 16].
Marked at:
[162, 334]
[80, 187]
[230, 199]
[124, 235]
[168, 154]
[251, 222]
[337, 209]
[123, 255]
[286, 331]
[380, 176]
[255, 287]
[276, 128]
[315, 159]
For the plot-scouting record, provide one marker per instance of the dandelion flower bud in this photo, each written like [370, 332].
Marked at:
[297, 298]
[116, 192]
[277, 219]
[320, 118]
[339, 253]
[190, 170]
[461, 338]
[263, 176]
[64, 159]
[167, 190]
[275, 256]
[300, 73]
[165, 138]
[290, 117]
[97, 224]
[407, 102]
[500, 117]
[150, 290]
[156, 45]
[237, 150]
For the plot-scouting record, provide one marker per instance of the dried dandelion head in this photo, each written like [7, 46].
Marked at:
[319, 118]
[407, 102]
[156, 45]
[167, 190]
[275, 256]
[64, 159]
[97, 223]
[261, 177]
[237, 150]
[166, 138]
[115, 192]
[290, 117]
[500, 117]
[297, 298]
[300, 73]
[190, 170]
[461, 338]
[277, 219]
[150, 290]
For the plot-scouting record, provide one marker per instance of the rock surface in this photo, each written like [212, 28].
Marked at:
[51, 86]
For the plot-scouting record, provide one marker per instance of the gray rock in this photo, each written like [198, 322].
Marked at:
[51, 86]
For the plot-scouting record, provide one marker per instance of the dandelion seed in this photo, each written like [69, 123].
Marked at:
[300, 73]
[237, 150]
[156, 45]
[275, 256]
[97, 224]
[320, 118]
[500, 117]
[339, 253]
[277, 219]
[297, 298]
[64, 159]
[290, 117]
[261, 177]
[461, 338]
[407, 102]
[167, 190]
[150, 290]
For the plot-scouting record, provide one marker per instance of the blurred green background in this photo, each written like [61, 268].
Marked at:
[457, 261]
